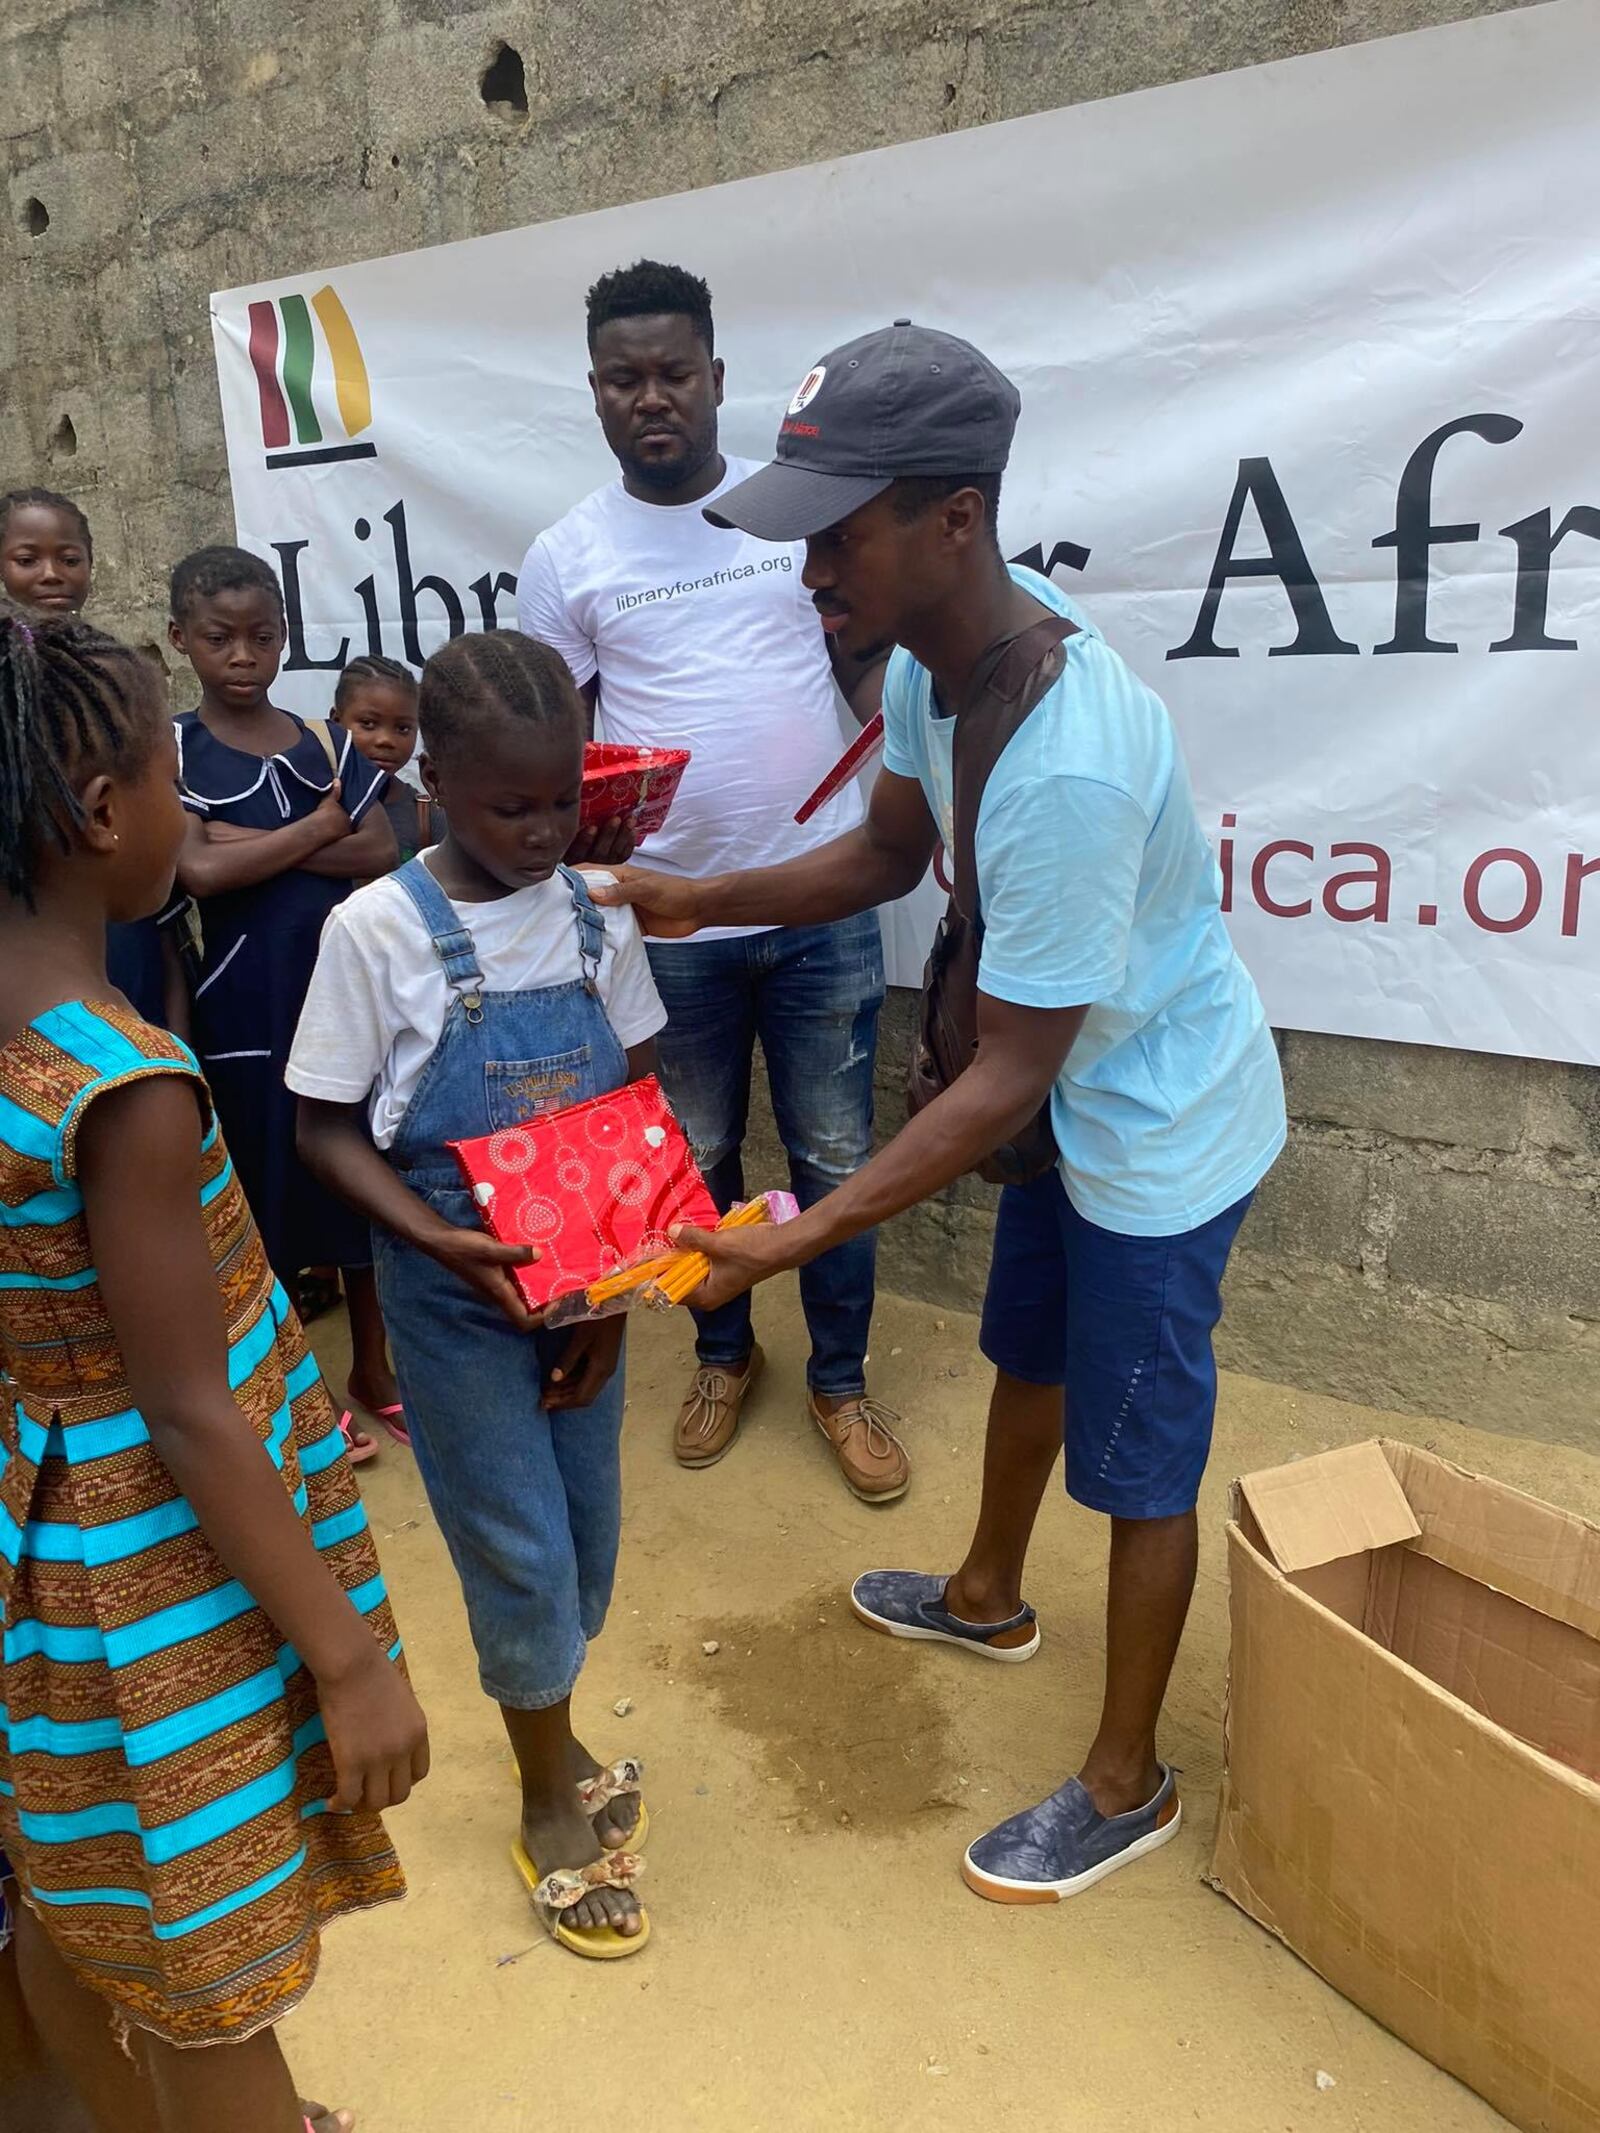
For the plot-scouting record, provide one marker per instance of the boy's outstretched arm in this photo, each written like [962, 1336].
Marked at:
[883, 859]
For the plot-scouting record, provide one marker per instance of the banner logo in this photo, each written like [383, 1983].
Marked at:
[811, 385]
[283, 354]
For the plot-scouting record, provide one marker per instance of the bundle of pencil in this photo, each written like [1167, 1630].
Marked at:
[672, 1277]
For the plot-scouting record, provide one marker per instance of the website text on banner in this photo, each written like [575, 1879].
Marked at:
[1318, 454]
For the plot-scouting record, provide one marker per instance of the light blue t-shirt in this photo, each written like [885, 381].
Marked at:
[1097, 886]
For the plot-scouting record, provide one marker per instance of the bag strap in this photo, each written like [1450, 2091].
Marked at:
[1008, 682]
[323, 729]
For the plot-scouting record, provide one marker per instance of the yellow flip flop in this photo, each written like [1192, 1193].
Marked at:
[554, 1892]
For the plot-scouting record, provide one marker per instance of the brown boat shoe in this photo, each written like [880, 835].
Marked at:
[708, 1420]
[871, 1457]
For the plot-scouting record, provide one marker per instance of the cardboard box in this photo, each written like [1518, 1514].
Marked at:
[1409, 1796]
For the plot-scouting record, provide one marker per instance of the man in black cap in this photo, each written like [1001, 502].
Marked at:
[1108, 987]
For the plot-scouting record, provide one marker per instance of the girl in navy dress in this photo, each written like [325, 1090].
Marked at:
[284, 819]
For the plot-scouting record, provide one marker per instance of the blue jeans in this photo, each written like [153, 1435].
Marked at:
[529, 1502]
[812, 995]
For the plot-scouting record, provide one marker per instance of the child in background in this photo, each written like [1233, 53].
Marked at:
[283, 822]
[376, 703]
[467, 993]
[46, 563]
[46, 551]
[199, 1657]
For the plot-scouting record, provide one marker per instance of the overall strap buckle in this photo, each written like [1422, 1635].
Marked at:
[591, 929]
[458, 956]
[452, 943]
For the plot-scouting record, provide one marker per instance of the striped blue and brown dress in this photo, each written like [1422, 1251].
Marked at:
[163, 1765]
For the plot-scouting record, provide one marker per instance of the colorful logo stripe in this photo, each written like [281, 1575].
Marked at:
[299, 359]
[350, 383]
[264, 361]
[283, 355]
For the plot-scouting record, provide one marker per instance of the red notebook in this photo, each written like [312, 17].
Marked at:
[593, 1187]
[638, 782]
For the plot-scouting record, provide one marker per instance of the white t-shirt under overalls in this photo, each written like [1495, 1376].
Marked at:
[376, 1005]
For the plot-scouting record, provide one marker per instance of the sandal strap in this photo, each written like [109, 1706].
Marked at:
[566, 1885]
[624, 1776]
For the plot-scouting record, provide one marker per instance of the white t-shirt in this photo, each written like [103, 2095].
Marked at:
[378, 996]
[703, 639]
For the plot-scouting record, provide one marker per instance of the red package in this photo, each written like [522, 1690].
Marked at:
[640, 782]
[593, 1187]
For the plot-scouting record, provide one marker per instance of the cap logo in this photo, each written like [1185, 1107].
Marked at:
[810, 386]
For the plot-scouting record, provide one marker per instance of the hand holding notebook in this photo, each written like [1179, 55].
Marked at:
[591, 1188]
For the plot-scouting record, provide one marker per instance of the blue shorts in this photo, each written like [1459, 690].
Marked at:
[1125, 1324]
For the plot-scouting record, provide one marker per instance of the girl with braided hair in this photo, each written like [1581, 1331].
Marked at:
[464, 995]
[202, 1712]
[376, 704]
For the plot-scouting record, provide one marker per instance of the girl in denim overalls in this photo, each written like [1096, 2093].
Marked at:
[462, 995]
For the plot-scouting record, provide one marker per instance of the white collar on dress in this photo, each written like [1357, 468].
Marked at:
[270, 764]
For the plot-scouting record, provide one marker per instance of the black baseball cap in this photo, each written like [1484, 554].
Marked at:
[905, 400]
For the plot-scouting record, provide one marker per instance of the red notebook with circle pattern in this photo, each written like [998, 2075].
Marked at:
[640, 783]
[594, 1187]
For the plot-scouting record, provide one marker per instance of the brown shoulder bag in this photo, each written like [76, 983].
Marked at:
[1011, 678]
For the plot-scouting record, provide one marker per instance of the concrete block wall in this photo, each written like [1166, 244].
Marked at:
[1430, 1238]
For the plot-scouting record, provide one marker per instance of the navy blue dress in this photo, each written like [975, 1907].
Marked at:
[260, 949]
[135, 966]
[136, 962]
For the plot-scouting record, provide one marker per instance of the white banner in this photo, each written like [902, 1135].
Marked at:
[1310, 365]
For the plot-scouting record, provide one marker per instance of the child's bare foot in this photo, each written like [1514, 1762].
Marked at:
[616, 1822]
[558, 1835]
[357, 1443]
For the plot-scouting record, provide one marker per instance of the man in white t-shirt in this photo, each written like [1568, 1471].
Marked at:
[685, 634]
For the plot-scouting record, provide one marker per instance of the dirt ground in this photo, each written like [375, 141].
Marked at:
[816, 1962]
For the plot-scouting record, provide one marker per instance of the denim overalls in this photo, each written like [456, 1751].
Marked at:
[530, 1503]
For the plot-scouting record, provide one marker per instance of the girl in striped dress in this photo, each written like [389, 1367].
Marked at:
[202, 1709]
